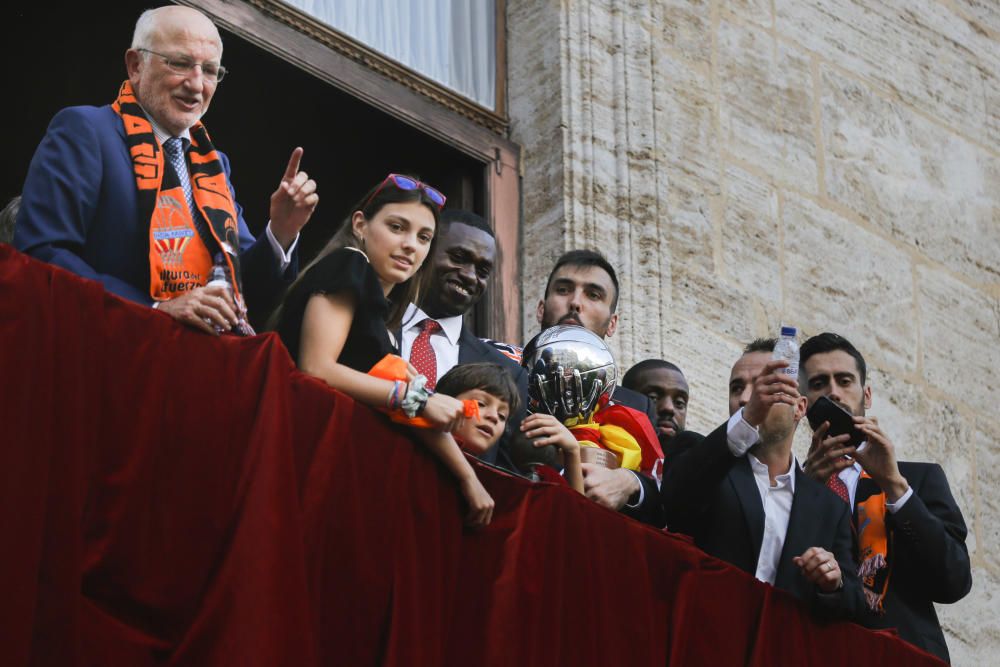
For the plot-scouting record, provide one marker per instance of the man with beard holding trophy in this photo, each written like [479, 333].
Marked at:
[571, 376]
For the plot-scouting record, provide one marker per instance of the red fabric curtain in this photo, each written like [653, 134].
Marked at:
[171, 498]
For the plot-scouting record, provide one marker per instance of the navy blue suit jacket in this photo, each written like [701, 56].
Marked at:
[79, 211]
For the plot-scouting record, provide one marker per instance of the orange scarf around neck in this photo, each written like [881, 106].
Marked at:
[179, 260]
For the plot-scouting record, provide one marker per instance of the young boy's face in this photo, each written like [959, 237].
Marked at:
[474, 436]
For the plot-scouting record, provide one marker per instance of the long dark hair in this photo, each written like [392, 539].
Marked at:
[382, 194]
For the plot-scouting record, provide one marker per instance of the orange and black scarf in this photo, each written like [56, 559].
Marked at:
[179, 260]
[873, 543]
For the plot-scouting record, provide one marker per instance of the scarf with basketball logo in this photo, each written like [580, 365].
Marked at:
[874, 541]
[179, 260]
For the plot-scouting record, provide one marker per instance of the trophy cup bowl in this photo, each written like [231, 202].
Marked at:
[569, 370]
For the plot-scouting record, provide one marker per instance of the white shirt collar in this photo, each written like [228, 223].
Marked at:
[161, 134]
[451, 326]
[761, 470]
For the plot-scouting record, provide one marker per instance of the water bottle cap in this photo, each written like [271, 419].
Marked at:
[788, 331]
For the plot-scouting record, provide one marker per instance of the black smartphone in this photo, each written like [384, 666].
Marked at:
[841, 421]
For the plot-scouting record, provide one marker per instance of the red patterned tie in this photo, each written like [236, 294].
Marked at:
[837, 486]
[422, 354]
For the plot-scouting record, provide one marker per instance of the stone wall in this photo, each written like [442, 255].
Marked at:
[833, 164]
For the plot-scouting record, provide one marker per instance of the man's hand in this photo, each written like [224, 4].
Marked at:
[826, 455]
[293, 202]
[820, 567]
[770, 388]
[610, 488]
[878, 459]
[203, 308]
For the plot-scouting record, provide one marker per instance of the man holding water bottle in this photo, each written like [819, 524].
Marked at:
[740, 494]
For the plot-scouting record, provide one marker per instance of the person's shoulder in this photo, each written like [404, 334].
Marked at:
[511, 352]
[85, 114]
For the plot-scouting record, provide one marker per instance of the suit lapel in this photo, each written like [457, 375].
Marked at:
[470, 348]
[801, 521]
[745, 486]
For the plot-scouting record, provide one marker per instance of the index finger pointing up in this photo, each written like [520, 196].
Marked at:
[293, 163]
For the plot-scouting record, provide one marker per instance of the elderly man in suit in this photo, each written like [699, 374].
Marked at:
[910, 530]
[133, 194]
[434, 337]
[740, 494]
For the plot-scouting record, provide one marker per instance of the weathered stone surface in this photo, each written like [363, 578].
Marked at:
[686, 143]
[919, 50]
[757, 11]
[960, 327]
[751, 236]
[970, 626]
[983, 14]
[536, 98]
[766, 106]
[842, 278]
[683, 27]
[706, 358]
[917, 182]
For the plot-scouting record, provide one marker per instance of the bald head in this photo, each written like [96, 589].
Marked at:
[166, 23]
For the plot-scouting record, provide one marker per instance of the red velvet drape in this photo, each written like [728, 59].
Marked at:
[170, 498]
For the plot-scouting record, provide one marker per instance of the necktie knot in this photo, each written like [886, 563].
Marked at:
[430, 326]
[175, 148]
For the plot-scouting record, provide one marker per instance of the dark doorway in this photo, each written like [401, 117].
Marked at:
[75, 55]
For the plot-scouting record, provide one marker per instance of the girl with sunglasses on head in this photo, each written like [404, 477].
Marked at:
[335, 319]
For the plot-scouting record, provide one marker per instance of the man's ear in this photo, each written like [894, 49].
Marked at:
[801, 405]
[868, 397]
[540, 312]
[612, 326]
[133, 62]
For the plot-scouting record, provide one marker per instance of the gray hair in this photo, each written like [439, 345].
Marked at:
[147, 26]
[144, 28]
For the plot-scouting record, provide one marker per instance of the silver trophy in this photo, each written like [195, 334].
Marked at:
[569, 370]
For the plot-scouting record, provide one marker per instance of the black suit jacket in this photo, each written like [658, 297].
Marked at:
[712, 496]
[650, 510]
[928, 556]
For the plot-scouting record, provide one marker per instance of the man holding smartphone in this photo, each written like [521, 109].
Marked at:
[910, 532]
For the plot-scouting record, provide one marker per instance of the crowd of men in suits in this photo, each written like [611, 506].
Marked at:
[851, 531]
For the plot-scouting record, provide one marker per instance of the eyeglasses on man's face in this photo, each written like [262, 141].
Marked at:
[185, 66]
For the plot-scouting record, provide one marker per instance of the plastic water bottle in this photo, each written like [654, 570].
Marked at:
[219, 277]
[788, 349]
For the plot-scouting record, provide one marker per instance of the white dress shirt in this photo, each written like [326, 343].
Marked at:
[850, 476]
[776, 500]
[443, 342]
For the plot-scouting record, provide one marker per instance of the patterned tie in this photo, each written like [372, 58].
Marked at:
[422, 354]
[175, 149]
[837, 485]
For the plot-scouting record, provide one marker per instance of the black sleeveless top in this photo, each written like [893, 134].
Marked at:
[343, 270]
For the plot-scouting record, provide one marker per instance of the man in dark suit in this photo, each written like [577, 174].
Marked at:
[924, 559]
[582, 289]
[96, 199]
[433, 336]
[740, 494]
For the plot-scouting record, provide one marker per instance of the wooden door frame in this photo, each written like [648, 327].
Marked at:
[342, 62]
